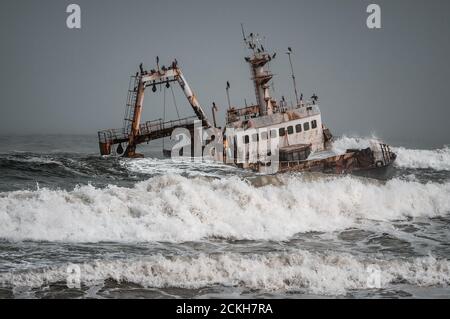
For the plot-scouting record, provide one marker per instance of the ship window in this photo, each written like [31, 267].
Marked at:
[314, 124]
[264, 136]
[306, 126]
[282, 131]
[255, 138]
[290, 130]
[246, 139]
[273, 134]
[303, 155]
[298, 128]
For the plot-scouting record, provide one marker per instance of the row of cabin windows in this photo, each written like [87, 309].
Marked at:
[282, 131]
[298, 128]
[295, 156]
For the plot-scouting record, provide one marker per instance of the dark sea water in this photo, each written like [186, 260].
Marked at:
[153, 228]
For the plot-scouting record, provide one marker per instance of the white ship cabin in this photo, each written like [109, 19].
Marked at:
[296, 128]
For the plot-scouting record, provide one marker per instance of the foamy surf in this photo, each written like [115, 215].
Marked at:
[176, 209]
[317, 273]
[437, 159]
[155, 166]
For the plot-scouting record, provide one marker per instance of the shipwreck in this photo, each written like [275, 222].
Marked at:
[292, 135]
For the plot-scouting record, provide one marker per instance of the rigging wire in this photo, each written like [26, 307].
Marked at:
[164, 114]
[164, 104]
[175, 102]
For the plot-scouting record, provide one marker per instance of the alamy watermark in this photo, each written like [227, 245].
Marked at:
[73, 279]
[73, 21]
[248, 147]
[374, 19]
[373, 277]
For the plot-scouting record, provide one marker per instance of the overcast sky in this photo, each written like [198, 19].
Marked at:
[393, 82]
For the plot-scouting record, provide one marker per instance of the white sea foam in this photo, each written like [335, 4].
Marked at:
[34, 159]
[343, 143]
[438, 159]
[154, 166]
[175, 208]
[319, 273]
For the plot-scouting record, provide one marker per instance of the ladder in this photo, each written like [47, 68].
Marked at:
[130, 104]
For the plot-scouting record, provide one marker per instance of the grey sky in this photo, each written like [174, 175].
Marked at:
[393, 82]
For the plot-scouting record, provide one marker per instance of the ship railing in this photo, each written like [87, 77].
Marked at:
[307, 108]
[111, 135]
[158, 125]
[384, 154]
[306, 104]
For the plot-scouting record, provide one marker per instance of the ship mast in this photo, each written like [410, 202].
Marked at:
[261, 76]
[293, 74]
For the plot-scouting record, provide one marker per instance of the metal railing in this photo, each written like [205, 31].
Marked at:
[117, 135]
[108, 136]
[158, 125]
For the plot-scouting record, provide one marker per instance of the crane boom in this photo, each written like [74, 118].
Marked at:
[174, 74]
[134, 132]
[161, 76]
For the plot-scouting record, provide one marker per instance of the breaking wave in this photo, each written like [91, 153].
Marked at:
[435, 159]
[154, 166]
[319, 273]
[175, 208]
[438, 159]
[344, 143]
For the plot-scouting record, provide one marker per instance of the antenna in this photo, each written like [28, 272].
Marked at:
[243, 32]
[214, 110]
[228, 95]
[292, 72]
[250, 43]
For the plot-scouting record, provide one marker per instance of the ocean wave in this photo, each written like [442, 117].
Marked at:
[154, 166]
[328, 273]
[437, 159]
[62, 165]
[343, 143]
[175, 208]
